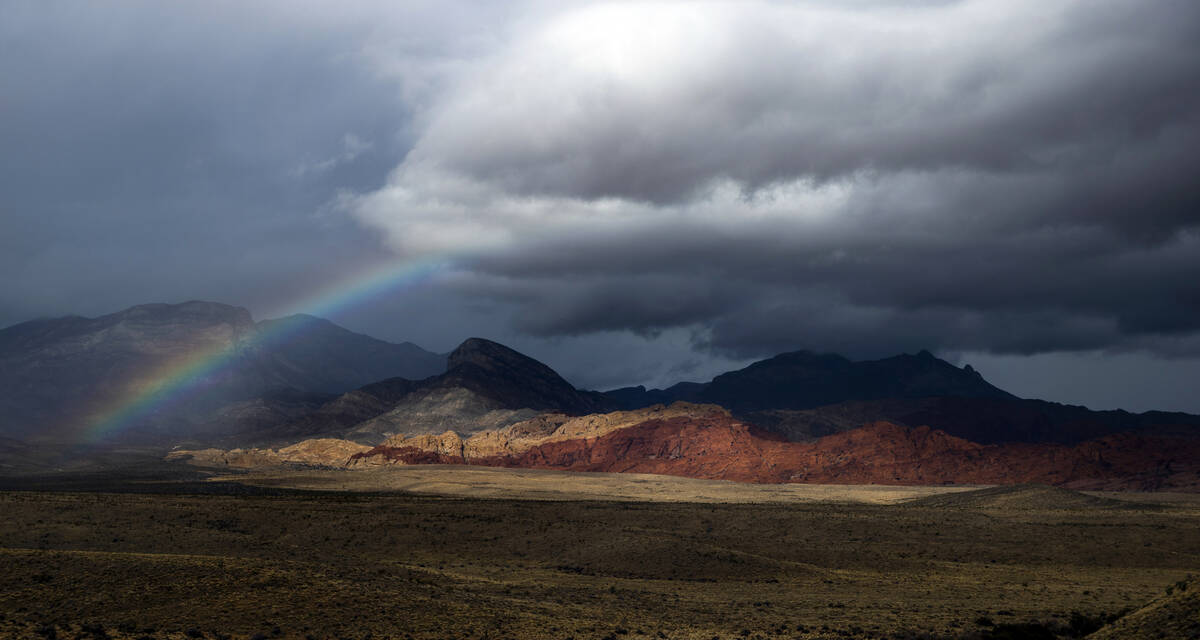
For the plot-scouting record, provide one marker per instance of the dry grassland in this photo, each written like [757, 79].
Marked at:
[539, 484]
[357, 565]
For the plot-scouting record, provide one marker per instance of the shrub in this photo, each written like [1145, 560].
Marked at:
[1021, 631]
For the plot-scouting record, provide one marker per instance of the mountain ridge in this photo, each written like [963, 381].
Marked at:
[59, 375]
[297, 379]
[486, 385]
[804, 395]
[806, 379]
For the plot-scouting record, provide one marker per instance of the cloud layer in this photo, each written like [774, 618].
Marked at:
[1013, 177]
[687, 185]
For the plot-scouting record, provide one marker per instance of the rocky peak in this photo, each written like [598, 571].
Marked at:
[493, 356]
[497, 360]
[514, 379]
[923, 375]
[801, 380]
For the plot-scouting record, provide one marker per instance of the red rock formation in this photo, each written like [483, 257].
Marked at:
[720, 447]
[402, 455]
[716, 447]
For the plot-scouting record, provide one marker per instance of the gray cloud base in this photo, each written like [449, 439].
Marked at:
[1010, 177]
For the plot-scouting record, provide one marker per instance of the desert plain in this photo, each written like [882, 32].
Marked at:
[459, 552]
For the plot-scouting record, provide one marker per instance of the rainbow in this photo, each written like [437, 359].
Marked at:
[187, 375]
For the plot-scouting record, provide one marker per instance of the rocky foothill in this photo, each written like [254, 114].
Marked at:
[217, 388]
[705, 441]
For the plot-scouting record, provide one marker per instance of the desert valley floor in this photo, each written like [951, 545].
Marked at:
[457, 552]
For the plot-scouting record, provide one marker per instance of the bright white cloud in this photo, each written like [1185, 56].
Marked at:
[897, 158]
[592, 113]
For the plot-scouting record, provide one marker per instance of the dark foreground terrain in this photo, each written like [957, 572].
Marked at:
[989, 564]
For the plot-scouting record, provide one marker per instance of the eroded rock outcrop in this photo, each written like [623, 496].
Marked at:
[318, 452]
[517, 438]
[701, 441]
[705, 441]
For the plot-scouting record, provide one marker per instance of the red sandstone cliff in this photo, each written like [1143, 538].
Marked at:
[716, 446]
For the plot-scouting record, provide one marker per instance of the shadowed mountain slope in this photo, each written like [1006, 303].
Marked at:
[486, 386]
[320, 355]
[803, 396]
[804, 380]
[59, 377]
[337, 416]
[277, 381]
[516, 381]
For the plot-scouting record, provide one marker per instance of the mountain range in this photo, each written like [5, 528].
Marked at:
[804, 395]
[301, 390]
[60, 375]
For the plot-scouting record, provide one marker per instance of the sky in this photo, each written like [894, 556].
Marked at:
[634, 193]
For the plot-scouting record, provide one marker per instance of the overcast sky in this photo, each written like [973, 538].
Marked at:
[632, 192]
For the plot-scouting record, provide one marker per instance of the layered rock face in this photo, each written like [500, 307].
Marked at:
[517, 439]
[706, 442]
[437, 409]
[318, 452]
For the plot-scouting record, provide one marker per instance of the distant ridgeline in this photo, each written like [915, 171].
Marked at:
[202, 374]
[167, 371]
[803, 395]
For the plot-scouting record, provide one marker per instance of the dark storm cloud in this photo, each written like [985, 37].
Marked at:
[833, 325]
[642, 303]
[167, 151]
[1014, 177]
[1040, 290]
[742, 178]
